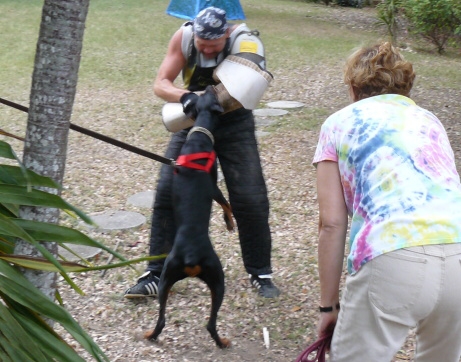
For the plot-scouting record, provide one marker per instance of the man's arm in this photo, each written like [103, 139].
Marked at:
[169, 70]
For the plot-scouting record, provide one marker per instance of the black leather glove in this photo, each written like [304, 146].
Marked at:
[188, 101]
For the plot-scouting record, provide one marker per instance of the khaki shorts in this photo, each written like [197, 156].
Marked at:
[414, 287]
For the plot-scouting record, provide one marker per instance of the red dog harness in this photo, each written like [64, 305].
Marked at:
[189, 160]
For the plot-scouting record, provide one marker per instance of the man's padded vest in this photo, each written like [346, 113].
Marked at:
[198, 72]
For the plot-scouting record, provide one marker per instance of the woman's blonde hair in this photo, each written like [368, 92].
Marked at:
[378, 69]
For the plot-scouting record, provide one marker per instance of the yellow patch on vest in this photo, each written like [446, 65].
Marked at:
[248, 47]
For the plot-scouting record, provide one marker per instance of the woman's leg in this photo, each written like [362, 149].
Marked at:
[380, 303]
[438, 336]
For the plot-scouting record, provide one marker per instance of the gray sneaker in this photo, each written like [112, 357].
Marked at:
[147, 286]
[265, 287]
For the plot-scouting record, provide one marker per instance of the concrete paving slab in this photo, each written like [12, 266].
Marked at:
[118, 220]
[86, 252]
[270, 112]
[142, 199]
[220, 176]
[285, 104]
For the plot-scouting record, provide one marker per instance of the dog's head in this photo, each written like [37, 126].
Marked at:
[208, 101]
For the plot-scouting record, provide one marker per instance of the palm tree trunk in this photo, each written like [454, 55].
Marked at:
[54, 83]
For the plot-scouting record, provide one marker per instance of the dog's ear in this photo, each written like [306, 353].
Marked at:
[209, 101]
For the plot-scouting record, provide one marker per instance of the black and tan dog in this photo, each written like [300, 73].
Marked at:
[194, 188]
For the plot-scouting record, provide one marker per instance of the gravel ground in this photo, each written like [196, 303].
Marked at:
[117, 324]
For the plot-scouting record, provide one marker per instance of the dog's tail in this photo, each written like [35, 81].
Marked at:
[227, 210]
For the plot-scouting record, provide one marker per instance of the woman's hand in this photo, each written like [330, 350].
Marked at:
[326, 323]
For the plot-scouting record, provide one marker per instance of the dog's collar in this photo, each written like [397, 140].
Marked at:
[189, 160]
[203, 130]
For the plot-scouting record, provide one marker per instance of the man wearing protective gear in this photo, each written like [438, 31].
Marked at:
[196, 50]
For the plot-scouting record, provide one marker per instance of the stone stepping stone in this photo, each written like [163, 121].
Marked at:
[285, 104]
[143, 199]
[261, 133]
[118, 220]
[270, 112]
[264, 121]
[84, 251]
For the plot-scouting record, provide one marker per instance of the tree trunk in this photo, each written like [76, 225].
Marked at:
[54, 83]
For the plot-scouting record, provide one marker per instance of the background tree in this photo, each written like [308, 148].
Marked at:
[388, 12]
[52, 96]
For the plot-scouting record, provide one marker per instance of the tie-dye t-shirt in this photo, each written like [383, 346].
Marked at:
[398, 174]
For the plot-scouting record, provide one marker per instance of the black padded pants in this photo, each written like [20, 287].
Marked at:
[237, 151]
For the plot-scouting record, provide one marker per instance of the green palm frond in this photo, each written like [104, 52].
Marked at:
[25, 334]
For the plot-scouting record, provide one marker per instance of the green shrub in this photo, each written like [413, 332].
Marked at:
[437, 21]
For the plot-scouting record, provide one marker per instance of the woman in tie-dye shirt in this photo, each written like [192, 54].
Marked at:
[387, 163]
